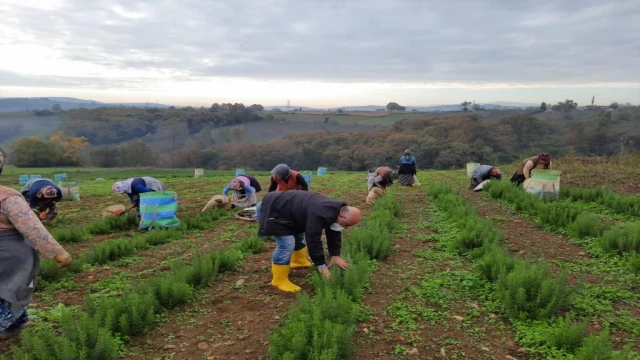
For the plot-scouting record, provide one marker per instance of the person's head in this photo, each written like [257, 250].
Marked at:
[235, 184]
[48, 192]
[349, 216]
[393, 175]
[281, 171]
[544, 159]
[119, 187]
[407, 153]
[495, 172]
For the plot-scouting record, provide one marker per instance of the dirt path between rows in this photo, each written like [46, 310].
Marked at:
[378, 339]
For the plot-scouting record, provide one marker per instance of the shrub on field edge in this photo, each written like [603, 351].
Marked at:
[622, 238]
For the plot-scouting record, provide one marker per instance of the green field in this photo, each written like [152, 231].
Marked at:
[437, 270]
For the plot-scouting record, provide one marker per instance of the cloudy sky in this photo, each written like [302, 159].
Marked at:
[321, 52]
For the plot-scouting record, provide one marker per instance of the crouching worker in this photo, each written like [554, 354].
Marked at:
[245, 189]
[542, 161]
[284, 215]
[23, 240]
[483, 173]
[377, 182]
[133, 187]
[42, 196]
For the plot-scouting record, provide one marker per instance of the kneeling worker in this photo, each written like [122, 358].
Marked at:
[284, 215]
[483, 173]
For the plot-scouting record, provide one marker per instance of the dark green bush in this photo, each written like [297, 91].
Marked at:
[79, 338]
[112, 224]
[73, 235]
[251, 245]
[622, 238]
[634, 264]
[586, 225]
[529, 292]
[474, 233]
[568, 335]
[618, 203]
[494, 263]
[129, 315]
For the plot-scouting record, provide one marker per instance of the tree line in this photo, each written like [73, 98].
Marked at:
[108, 125]
[441, 143]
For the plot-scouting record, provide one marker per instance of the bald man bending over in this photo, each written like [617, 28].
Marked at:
[286, 214]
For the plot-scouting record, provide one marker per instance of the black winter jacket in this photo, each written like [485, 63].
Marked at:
[295, 212]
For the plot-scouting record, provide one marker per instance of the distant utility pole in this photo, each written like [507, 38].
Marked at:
[592, 100]
[288, 105]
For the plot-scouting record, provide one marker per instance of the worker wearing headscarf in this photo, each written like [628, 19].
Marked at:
[42, 196]
[23, 240]
[133, 187]
[377, 182]
[407, 169]
[245, 189]
[483, 173]
[283, 179]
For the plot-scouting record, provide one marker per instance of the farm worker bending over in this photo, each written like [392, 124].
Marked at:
[42, 195]
[407, 169]
[136, 186]
[284, 179]
[245, 189]
[23, 240]
[285, 214]
[542, 161]
[483, 173]
[377, 182]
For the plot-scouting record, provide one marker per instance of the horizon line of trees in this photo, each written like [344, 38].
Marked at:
[440, 143]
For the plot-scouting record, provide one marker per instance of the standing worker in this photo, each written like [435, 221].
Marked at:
[283, 179]
[285, 214]
[133, 187]
[542, 161]
[245, 189]
[42, 196]
[23, 240]
[377, 182]
[483, 173]
[407, 170]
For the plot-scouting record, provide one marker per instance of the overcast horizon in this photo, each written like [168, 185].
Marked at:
[321, 54]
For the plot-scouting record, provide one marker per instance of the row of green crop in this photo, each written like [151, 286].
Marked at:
[622, 237]
[99, 333]
[618, 203]
[528, 291]
[113, 249]
[106, 225]
[321, 327]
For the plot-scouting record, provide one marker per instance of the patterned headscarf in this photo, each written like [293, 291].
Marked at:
[234, 184]
[407, 152]
[281, 171]
[49, 192]
[122, 186]
[545, 157]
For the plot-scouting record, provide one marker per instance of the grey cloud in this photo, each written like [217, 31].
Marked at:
[357, 40]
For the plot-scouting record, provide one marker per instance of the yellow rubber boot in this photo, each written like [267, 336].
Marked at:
[299, 259]
[281, 278]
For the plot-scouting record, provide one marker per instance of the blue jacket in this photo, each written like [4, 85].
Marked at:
[407, 160]
[33, 200]
[248, 190]
[138, 186]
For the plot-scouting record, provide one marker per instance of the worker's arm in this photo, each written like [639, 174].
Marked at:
[273, 186]
[249, 190]
[527, 169]
[313, 236]
[225, 191]
[28, 224]
[334, 241]
[302, 182]
[139, 189]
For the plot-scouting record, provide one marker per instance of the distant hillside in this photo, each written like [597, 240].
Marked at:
[27, 104]
[456, 107]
